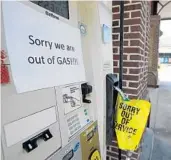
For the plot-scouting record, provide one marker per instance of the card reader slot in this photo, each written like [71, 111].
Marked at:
[31, 144]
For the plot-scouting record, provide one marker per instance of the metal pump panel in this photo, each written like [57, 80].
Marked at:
[53, 122]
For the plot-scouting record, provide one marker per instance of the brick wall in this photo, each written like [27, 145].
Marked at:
[136, 49]
[136, 45]
[112, 153]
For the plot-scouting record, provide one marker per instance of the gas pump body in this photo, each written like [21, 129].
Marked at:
[45, 122]
[54, 109]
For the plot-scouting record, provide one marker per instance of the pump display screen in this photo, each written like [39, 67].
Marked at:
[59, 7]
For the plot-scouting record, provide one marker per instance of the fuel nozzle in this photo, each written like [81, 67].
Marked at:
[69, 99]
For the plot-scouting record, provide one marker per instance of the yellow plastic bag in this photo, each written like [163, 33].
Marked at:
[130, 122]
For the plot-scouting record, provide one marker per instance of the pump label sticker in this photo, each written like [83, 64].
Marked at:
[71, 98]
[90, 143]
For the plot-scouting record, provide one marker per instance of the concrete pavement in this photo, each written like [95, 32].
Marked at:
[161, 106]
[161, 117]
[157, 139]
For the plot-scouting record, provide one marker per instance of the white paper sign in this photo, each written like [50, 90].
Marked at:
[43, 52]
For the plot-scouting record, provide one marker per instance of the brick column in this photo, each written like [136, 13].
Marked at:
[154, 54]
[136, 49]
[136, 45]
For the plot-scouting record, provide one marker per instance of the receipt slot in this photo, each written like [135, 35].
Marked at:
[111, 97]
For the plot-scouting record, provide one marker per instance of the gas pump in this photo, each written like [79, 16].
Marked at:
[47, 122]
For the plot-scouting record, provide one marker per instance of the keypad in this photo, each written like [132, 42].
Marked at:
[73, 124]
